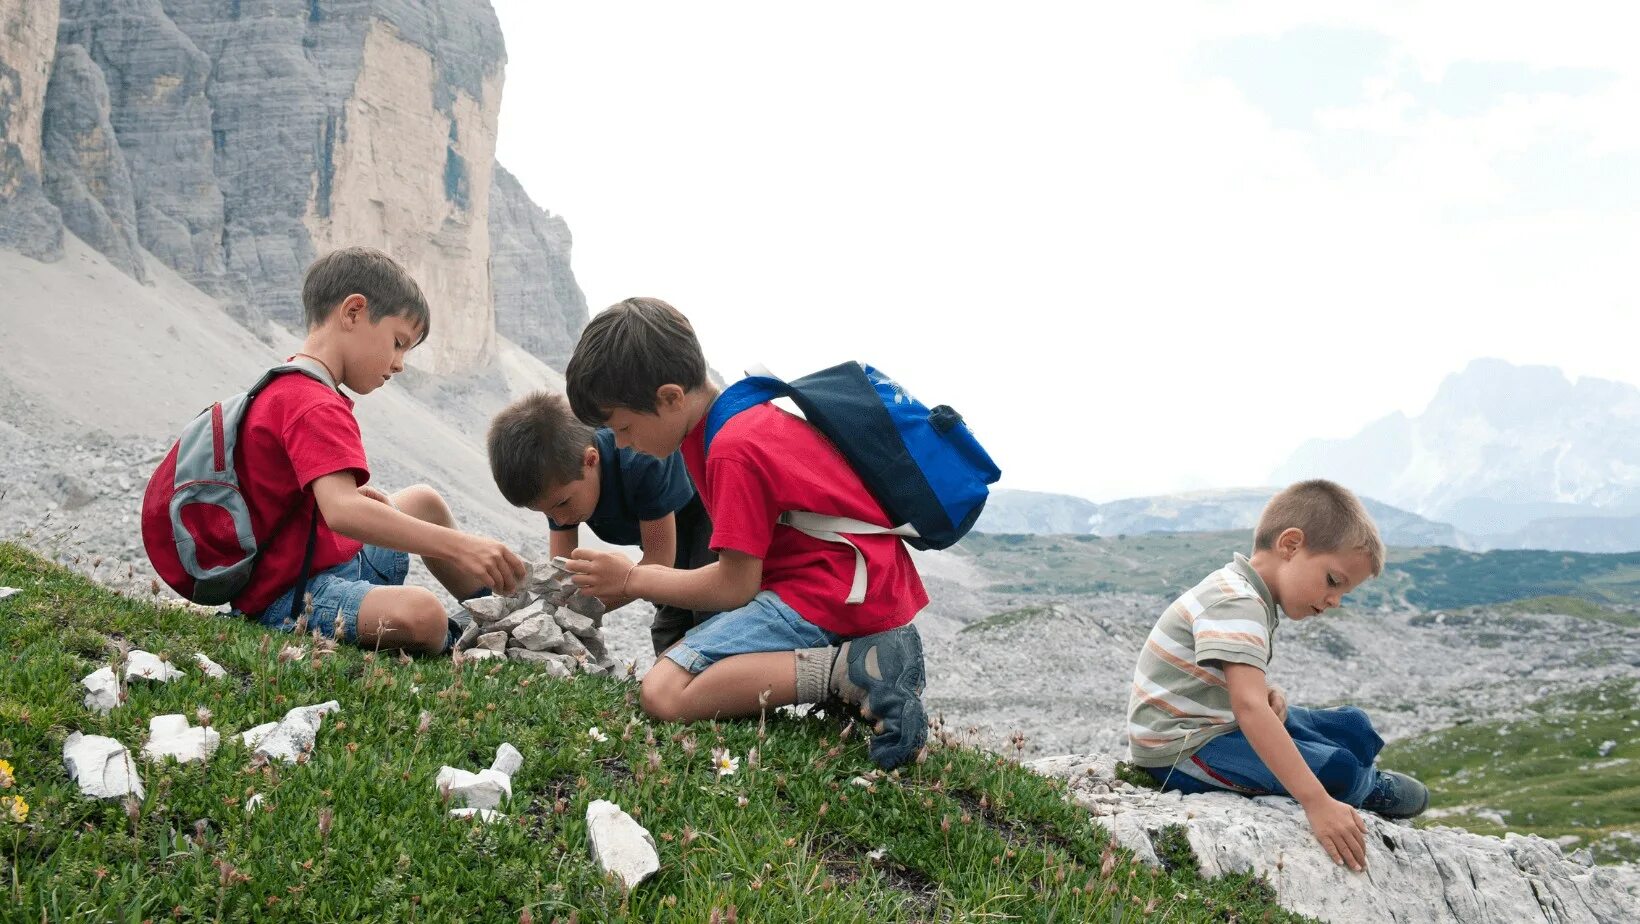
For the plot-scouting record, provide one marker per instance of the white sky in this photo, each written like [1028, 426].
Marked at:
[1141, 247]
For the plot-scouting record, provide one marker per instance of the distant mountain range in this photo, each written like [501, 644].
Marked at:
[1515, 456]
[1504, 457]
[1011, 511]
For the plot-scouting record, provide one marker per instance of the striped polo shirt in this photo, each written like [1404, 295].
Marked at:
[1179, 700]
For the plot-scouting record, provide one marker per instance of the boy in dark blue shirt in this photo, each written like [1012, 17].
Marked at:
[546, 460]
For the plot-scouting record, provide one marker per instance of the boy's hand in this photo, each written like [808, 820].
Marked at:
[1341, 830]
[600, 574]
[1278, 702]
[491, 562]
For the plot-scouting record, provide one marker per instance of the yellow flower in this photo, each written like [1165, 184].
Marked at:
[6, 778]
[14, 808]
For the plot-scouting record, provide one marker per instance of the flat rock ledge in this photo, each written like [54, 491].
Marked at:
[1434, 874]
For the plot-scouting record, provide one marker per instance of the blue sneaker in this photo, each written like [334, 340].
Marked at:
[889, 667]
[1396, 795]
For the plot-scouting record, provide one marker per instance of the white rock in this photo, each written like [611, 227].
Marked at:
[546, 577]
[102, 767]
[469, 635]
[212, 669]
[104, 690]
[484, 789]
[1431, 874]
[481, 654]
[575, 623]
[488, 609]
[253, 803]
[292, 736]
[494, 641]
[537, 633]
[148, 666]
[8, 591]
[1607, 746]
[590, 607]
[507, 760]
[171, 736]
[554, 665]
[485, 816]
[571, 645]
[513, 620]
[620, 846]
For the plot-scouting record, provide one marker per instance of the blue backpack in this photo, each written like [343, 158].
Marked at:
[923, 466]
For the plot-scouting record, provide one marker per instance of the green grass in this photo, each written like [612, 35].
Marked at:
[1544, 773]
[1576, 607]
[1167, 564]
[966, 835]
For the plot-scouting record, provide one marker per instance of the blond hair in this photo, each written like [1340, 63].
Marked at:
[1329, 514]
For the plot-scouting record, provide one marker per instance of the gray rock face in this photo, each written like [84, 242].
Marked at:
[1430, 874]
[538, 304]
[85, 172]
[156, 80]
[29, 223]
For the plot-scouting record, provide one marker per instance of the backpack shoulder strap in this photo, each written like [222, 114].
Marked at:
[306, 365]
[747, 393]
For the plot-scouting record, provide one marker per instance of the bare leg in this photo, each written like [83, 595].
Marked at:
[731, 687]
[424, 503]
[410, 618]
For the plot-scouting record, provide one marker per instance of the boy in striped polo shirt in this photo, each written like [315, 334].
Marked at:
[1201, 717]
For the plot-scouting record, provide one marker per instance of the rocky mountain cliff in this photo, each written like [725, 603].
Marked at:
[237, 141]
[1499, 447]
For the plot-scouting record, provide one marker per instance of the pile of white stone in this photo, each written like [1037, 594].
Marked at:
[547, 623]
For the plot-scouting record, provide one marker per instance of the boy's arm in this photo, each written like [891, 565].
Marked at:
[727, 584]
[1337, 826]
[659, 539]
[360, 517]
[562, 542]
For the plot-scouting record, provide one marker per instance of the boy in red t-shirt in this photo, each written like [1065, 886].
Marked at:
[786, 633]
[301, 447]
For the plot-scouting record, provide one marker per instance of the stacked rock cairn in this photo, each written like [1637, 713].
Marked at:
[547, 622]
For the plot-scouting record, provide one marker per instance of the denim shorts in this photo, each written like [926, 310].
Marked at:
[765, 624]
[339, 592]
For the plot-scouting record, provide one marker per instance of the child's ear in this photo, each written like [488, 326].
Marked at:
[353, 310]
[669, 397]
[1290, 541]
[589, 459]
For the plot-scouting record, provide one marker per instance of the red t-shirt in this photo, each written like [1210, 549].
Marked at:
[765, 462]
[296, 430]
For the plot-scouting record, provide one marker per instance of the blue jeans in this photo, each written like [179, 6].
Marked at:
[339, 592]
[1338, 744]
[765, 624]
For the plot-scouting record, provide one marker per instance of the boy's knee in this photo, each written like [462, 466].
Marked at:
[659, 698]
[425, 625]
[422, 502]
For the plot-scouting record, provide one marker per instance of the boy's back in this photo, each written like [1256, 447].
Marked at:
[765, 462]
[1178, 703]
[295, 431]
[633, 487]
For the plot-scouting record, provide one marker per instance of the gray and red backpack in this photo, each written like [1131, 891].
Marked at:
[196, 525]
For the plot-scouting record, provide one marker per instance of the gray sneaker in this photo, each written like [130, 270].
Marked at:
[1396, 795]
[889, 667]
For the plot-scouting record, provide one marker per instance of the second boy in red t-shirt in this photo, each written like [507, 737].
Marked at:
[787, 633]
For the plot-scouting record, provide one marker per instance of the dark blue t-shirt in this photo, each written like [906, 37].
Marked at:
[633, 487]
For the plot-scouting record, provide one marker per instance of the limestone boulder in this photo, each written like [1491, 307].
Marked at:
[101, 766]
[620, 846]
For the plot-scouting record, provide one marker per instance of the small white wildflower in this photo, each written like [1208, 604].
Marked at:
[596, 735]
[725, 764]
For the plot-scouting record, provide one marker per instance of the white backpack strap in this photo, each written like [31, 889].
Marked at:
[837, 529]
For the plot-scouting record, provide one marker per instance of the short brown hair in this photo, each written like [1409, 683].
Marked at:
[1330, 515]
[536, 443]
[627, 353]
[389, 290]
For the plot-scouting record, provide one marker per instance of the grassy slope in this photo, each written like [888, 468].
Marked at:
[1167, 564]
[968, 836]
[1545, 772]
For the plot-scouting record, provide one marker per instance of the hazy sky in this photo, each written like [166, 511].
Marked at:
[1141, 247]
